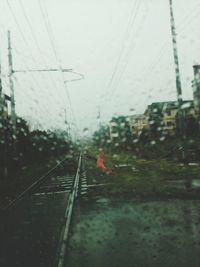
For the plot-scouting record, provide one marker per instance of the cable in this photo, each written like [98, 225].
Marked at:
[181, 26]
[161, 52]
[19, 28]
[81, 77]
[127, 57]
[34, 37]
[31, 73]
[21, 32]
[33, 77]
[49, 29]
[24, 39]
[109, 96]
[123, 46]
[52, 41]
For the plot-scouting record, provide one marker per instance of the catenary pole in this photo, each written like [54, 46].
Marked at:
[12, 96]
[67, 124]
[1, 101]
[3, 131]
[178, 82]
[1, 124]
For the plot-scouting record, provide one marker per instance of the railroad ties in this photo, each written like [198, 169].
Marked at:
[35, 227]
[83, 183]
[56, 185]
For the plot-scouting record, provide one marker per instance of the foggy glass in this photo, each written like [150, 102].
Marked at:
[99, 133]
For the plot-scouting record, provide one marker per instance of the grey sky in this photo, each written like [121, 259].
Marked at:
[93, 37]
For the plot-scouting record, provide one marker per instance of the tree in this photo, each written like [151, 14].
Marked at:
[121, 127]
[101, 137]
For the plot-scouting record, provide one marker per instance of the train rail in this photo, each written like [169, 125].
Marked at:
[34, 185]
[35, 226]
[68, 214]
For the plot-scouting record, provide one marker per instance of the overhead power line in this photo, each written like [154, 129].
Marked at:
[35, 38]
[25, 41]
[50, 34]
[128, 55]
[44, 70]
[132, 17]
[181, 27]
[27, 45]
[20, 30]
[49, 29]
[115, 85]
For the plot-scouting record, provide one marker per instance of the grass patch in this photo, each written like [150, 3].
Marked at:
[139, 176]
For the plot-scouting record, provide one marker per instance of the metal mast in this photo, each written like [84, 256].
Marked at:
[1, 101]
[3, 130]
[175, 50]
[13, 114]
[178, 80]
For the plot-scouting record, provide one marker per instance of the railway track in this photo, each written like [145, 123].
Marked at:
[35, 226]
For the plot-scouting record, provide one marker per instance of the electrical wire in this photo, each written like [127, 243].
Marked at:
[127, 33]
[127, 56]
[35, 38]
[180, 28]
[27, 98]
[158, 56]
[23, 37]
[27, 45]
[115, 86]
[49, 29]
[20, 30]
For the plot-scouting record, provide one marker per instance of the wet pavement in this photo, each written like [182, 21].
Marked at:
[120, 232]
[30, 231]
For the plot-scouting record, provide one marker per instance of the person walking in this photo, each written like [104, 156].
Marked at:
[100, 162]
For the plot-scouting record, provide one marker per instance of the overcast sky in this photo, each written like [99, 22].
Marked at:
[123, 48]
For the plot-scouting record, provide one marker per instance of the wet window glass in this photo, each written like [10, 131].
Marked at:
[99, 133]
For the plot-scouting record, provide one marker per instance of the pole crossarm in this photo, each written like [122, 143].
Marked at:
[43, 70]
[80, 75]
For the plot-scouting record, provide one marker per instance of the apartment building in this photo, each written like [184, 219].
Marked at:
[137, 123]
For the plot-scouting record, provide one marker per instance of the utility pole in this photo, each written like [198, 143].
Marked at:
[12, 96]
[65, 115]
[67, 124]
[80, 77]
[99, 116]
[178, 82]
[11, 72]
[1, 125]
[3, 132]
[1, 101]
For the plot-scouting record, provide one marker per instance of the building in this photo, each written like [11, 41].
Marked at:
[138, 123]
[163, 115]
[170, 110]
